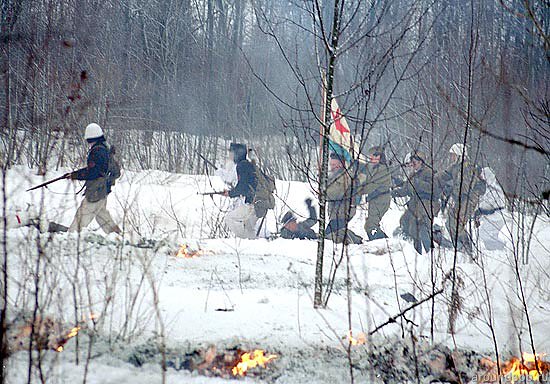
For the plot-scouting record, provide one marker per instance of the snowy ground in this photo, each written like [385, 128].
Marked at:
[252, 293]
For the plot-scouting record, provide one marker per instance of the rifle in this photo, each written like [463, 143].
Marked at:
[49, 182]
[211, 193]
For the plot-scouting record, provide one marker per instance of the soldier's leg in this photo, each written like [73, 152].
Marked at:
[405, 225]
[236, 220]
[104, 219]
[464, 238]
[376, 210]
[425, 236]
[415, 234]
[83, 216]
[250, 224]
[451, 222]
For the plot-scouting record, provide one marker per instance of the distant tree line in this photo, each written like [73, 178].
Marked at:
[252, 71]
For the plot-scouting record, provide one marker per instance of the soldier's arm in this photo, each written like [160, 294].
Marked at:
[312, 219]
[97, 166]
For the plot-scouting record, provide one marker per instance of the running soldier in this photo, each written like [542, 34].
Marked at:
[376, 187]
[423, 205]
[99, 174]
[462, 186]
[341, 202]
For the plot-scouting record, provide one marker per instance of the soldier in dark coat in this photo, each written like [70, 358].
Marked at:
[94, 204]
[242, 219]
[292, 229]
[423, 205]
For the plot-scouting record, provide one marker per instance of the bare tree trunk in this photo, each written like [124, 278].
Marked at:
[4, 286]
[323, 169]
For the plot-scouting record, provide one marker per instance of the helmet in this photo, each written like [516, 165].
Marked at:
[458, 149]
[93, 131]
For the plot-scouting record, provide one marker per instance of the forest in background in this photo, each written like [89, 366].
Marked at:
[179, 77]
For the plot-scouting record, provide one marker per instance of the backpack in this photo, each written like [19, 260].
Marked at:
[113, 170]
[263, 198]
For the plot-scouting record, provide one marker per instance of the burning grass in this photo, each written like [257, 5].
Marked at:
[212, 361]
[186, 252]
[251, 360]
[529, 366]
[359, 340]
[46, 333]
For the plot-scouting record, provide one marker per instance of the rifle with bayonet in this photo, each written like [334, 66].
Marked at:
[49, 182]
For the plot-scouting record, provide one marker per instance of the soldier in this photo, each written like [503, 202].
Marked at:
[341, 202]
[423, 205]
[241, 220]
[462, 186]
[376, 187]
[292, 229]
[99, 174]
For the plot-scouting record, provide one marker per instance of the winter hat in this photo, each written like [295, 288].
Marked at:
[288, 217]
[336, 156]
[377, 151]
[458, 149]
[239, 151]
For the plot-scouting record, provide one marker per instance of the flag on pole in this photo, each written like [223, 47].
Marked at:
[340, 137]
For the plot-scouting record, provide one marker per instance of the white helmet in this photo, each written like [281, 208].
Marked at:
[93, 131]
[457, 149]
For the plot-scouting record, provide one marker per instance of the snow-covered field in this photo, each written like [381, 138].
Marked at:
[253, 293]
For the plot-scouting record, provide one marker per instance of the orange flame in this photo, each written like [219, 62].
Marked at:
[251, 360]
[185, 252]
[360, 340]
[531, 365]
[72, 333]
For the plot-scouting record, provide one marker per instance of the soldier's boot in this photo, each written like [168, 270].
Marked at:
[425, 238]
[55, 227]
[376, 233]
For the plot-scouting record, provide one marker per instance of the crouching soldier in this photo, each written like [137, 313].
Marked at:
[423, 204]
[292, 229]
[241, 220]
[99, 175]
[462, 186]
[376, 186]
[341, 202]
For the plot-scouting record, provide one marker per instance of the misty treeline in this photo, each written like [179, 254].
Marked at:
[168, 79]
